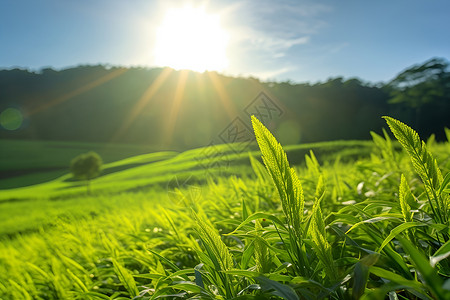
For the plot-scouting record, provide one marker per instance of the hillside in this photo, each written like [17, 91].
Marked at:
[188, 226]
[45, 171]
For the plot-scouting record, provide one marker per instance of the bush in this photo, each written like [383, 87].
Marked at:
[86, 167]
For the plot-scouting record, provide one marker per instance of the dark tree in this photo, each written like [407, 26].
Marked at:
[86, 166]
[423, 90]
[103, 104]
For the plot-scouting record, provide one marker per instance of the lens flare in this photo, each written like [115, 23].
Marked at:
[11, 119]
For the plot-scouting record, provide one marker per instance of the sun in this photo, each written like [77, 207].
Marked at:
[190, 38]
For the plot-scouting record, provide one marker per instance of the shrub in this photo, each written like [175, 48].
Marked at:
[86, 167]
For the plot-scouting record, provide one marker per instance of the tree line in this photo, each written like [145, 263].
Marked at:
[183, 109]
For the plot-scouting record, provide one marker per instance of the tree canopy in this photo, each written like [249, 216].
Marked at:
[179, 110]
[86, 166]
[421, 84]
[423, 90]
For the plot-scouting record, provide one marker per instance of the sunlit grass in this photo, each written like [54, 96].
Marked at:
[356, 224]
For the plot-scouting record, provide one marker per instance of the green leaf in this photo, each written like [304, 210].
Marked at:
[404, 193]
[281, 290]
[443, 249]
[262, 253]
[424, 164]
[171, 264]
[97, 295]
[198, 276]
[259, 169]
[243, 273]
[284, 178]
[150, 276]
[318, 236]
[394, 232]
[361, 274]
[371, 220]
[256, 216]
[245, 210]
[447, 134]
[442, 253]
[427, 272]
[181, 273]
[445, 183]
[320, 189]
[321, 246]
[217, 250]
[312, 164]
[397, 278]
[187, 286]
[395, 257]
[247, 254]
[78, 281]
[125, 278]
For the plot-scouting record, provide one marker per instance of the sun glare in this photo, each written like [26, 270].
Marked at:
[190, 38]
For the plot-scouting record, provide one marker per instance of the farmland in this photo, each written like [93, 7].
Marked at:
[353, 219]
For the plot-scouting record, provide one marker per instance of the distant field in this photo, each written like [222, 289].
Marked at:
[25, 163]
[46, 164]
[25, 208]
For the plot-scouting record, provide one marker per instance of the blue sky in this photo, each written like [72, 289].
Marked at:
[303, 41]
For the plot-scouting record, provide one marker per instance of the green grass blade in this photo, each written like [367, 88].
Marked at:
[423, 162]
[397, 278]
[278, 289]
[284, 178]
[447, 134]
[257, 216]
[404, 193]
[259, 169]
[125, 278]
[322, 247]
[445, 183]
[245, 210]
[361, 274]
[262, 253]
[218, 251]
[397, 230]
[188, 286]
[443, 249]
[78, 281]
[427, 272]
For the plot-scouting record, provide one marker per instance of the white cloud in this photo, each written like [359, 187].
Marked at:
[339, 47]
[276, 44]
[286, 17]
[271, 74]
[265, 32]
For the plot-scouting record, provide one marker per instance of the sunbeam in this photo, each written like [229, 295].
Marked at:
[141, 103]
[223, 95]
[176, 104]
[83, 89]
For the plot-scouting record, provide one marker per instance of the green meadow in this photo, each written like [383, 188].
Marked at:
[330, 220]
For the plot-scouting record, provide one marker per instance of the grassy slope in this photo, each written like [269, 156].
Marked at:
[25, 163]
[46, 234]
[137, 171]
[25, 209]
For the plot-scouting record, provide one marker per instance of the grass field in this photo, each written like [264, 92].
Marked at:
[24, 163]
[361, 221]
[123, 171]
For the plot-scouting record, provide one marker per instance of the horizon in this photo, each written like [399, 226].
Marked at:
[285, 41]
[248, 76]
